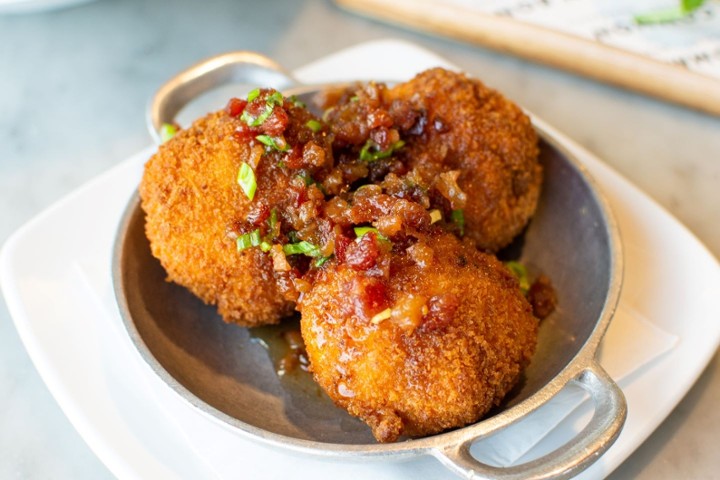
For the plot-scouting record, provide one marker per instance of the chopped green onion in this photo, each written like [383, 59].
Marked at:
[519, 270]
[362, 231]
[253, 94]
[278, 143]
[354, 98]
[273, 218]
[365, 151]
[273, 222]
[260, 119]
[458, 218]
[246, 180]
[314, 125]
[247, 240]
[167, 131]
[321, 261]
[301, 248]
[273, 99]
[309, 180]
[435, 216]
[296, 102]
[243, 242]
[370, 153]
[293, 236]
[255, 237]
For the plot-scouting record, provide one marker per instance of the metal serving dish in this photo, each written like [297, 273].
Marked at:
[224, 374]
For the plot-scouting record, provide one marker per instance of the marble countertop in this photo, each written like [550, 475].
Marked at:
[73, 90]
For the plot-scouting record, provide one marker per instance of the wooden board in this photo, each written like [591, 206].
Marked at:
[576, 54]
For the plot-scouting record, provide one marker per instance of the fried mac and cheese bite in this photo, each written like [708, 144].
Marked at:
[429, 336]
[377, 221]
[230, 201]
[467, 149]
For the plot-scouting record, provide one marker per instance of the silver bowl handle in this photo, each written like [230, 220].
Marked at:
[566, 461]
[233, 67]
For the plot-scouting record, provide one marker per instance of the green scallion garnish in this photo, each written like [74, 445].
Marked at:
[167, 131]
[273, 99]
[273, 221]
[278, 143]
[362, 231]
[301, 248]
[321, 261]
[260, 119]
[255, 237]
[296, 102]
[252, 239]
[314, 125]
[247, 240]
[307, 178]
[246, 180]
[243, 242]
[519, 270]
[458, 218]
[370, 153]
[253, 94]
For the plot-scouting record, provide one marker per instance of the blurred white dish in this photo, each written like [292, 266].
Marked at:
[30, 6]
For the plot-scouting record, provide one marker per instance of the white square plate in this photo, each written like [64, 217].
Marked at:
[53, 268]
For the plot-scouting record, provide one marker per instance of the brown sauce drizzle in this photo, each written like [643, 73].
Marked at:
[285, 347]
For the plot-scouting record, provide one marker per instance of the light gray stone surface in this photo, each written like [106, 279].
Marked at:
[73, 89]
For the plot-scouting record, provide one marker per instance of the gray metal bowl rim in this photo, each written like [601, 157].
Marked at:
[451, 448]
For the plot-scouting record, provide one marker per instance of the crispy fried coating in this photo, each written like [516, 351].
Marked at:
[354, 221]
[488, 139]
[195, 208]
[432, 345]
[447, 137]
[191, 200]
